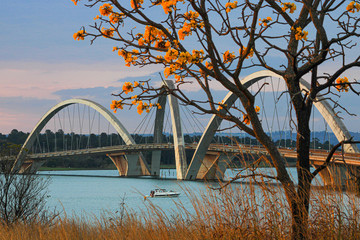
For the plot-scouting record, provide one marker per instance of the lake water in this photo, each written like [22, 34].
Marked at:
[93, 192]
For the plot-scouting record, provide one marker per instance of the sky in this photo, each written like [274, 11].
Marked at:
[41, 64]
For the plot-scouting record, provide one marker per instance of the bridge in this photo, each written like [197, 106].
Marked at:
[209, 160]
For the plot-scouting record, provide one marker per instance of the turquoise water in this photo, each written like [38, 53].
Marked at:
[95, 192]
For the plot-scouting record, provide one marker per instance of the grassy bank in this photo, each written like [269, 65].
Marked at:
[238, 212]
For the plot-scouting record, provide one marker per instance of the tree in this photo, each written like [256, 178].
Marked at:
[187, 38]
[22, 197]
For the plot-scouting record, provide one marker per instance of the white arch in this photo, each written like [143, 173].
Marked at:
[46, 118]
[179, 143]
[335, 123]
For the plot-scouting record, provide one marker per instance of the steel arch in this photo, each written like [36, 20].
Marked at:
[125, 135]
[335, 123]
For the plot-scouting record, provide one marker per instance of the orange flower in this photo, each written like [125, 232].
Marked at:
[287, 6]
[246, 119]
[136, 3]
[80, 35]
[230, 6]
[136, 84]
[300, 34]
[141, 42]
[75, 2]
[162, 44]
[171, 54]
[209, 65]
[343, 84]
[197, 56]
[107, 32]
[228, 57]
[115, 17]
[265, 21]
[105, 9]
[190, 15]
[141, 107]
[168, 71]
[244, 50]
[128, 56]
[127, 87]
[221, 105]
[184, 58]
[352, 7]
[184, 31]
[116, 104]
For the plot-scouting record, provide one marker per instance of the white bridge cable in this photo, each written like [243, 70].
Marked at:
[188, 118]
[80, 127]
[183, 124]
[140, 130]
[55, 134]
[167, 123]
[263, 112]
[64, 129]
[108, 133]
[47, 141]
[71, 124]
[312, 135]
[99, 134]
[196, 121]
[91, 124]
[287, 115]
[61, 128]
[327, 134]
[275, 112]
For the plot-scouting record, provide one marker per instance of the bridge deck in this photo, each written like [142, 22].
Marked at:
[315, 155]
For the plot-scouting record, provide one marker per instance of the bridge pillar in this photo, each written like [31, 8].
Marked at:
[158, 135]
[31, 166]
[335, 174]
[130, 164]
[213, 166]
[179, 143]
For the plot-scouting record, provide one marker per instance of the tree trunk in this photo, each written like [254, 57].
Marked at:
[300, 208]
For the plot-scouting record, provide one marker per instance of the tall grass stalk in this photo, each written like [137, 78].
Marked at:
[239, 211]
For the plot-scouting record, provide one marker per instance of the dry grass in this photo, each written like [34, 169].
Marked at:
[238, 212]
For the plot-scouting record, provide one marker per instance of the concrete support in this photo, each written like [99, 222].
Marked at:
[213, 166]
[31, 166]
[336, 174]
[179, 143]
[120, 162]
[158, 136]
[129, 164]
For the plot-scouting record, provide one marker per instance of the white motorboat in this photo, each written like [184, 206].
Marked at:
[163, 193]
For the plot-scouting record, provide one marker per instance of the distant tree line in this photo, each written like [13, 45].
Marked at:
[59, 141]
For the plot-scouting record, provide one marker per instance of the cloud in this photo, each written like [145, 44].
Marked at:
[41, 80]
